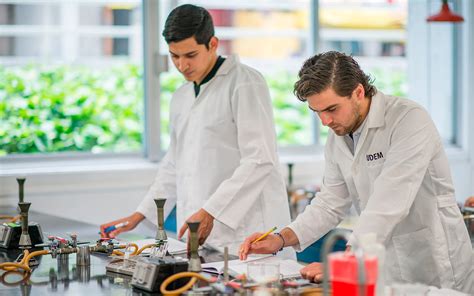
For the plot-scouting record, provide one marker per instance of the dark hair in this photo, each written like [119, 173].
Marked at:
[187, 21]
[331, 69]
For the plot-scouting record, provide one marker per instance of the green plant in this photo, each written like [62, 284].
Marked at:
[65, 108]
[292, 118]
[393, 82]
[169, 82]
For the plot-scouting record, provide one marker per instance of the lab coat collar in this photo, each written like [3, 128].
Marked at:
[377, 111]
[376, 118]
[228, 65]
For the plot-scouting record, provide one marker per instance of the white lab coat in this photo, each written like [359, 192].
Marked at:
[400, 184]
[223, 157]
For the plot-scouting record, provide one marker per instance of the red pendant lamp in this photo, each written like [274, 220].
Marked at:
[445, 15]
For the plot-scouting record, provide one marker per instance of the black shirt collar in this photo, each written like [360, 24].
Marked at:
[209, 76]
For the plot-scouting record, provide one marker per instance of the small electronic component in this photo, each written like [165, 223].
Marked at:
[151, 272]
[10, 234]
[121, 266]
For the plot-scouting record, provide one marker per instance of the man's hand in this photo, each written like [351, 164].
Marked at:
[205, 227]
[130, 221]
[469, 202]
[313, 272]
[270, 244]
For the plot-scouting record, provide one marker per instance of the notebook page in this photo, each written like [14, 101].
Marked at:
[174, 246]
[288, 268]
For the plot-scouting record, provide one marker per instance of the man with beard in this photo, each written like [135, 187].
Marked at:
[385, 157]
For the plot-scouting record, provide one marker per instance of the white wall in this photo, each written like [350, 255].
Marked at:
[94, 195]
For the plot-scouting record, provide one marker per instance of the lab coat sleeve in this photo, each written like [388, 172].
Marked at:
[413, 141]
[253, 116]
[164, 185]
[327, 209]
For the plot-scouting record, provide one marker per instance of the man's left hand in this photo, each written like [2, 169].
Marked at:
[313, 272]
[205, 227]
[469, 202]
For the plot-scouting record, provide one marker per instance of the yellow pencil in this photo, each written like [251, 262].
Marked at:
[264, 235]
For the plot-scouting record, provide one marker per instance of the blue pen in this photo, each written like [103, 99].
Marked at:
[113, 227]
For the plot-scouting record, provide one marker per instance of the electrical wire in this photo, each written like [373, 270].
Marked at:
[3, 280]
[120, 253]
[194, 277]
[144, 248]
[24, 263]
[10, 218]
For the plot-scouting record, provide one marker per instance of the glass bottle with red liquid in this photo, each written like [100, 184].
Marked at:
[343, 274]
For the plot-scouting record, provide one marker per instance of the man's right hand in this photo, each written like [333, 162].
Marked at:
[271, 244]
[132, 220]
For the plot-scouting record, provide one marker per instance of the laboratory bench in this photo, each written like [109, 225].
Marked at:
[53, 276]
[63, 277]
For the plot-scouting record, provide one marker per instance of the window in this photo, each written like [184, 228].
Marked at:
[276, 37]
[271, 36]
[84, 76]
[71, 77]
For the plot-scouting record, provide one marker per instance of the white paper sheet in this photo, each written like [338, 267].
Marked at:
[288, 268]
[174, 246]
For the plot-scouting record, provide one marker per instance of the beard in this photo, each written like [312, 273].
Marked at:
[354, 122]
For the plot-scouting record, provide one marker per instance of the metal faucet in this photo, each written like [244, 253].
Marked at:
[226, 264]
[21, 185]
[329, 242]
[83, 256]
[25, 239]
[194, 261]
[73, 242]
[160, 232]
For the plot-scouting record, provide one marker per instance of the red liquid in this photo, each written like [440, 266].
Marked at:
[349, 289]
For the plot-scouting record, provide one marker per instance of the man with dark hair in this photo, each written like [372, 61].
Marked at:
[385, 157]
[222, 166]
